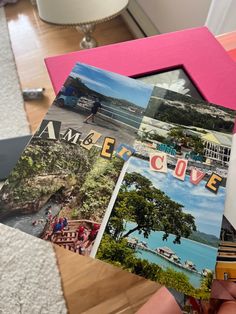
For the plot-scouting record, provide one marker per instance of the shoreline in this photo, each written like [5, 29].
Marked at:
[207, 245]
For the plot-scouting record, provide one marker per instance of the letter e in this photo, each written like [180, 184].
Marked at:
[214, 182]
[108, 147]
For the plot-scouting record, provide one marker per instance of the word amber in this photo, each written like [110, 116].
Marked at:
[50, 130]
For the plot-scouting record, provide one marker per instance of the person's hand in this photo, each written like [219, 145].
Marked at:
[228, 307]
[162, 302]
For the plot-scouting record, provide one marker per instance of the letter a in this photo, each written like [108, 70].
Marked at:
[196, 176]
[180, 169]
[49, 130]
[158, 162]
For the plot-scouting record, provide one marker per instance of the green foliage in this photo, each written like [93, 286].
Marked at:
[182, 137]
[43, 169]
[118, 251]
[151, 209]
[189, 117]
[47, 166]
[207, 281]
[205, 238]
[74, 213]
[119, 254]
[176, 280]
[97, 188]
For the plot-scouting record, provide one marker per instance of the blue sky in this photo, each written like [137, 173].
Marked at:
[112, 84]
[205, 206]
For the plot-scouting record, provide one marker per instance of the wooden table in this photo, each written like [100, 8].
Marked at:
[91, 286]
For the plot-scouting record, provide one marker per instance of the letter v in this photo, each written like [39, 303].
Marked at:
[196, 176]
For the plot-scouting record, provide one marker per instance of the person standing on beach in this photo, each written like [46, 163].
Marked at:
[96, 106]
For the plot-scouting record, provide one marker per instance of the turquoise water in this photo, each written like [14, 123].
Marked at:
[201, 255]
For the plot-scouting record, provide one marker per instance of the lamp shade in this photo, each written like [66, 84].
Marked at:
[79, 12]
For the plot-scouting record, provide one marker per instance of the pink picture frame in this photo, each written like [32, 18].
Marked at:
[196, 50]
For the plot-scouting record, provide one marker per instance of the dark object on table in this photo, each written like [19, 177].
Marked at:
[10, 151]
[33, 94]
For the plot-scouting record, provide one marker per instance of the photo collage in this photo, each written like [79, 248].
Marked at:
[129, 173]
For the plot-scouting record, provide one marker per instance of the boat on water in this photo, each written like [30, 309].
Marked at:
[169, 255]
[190, 265]
[206, 271]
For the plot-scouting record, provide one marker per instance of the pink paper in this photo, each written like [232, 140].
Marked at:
[197, 50]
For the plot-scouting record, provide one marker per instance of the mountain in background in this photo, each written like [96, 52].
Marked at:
[204, 238]
[85, 91]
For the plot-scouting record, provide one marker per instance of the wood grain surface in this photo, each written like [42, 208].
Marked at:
[33, 40]
[92, 286]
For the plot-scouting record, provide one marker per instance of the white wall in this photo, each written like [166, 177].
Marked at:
[173, 15]
[222, 16]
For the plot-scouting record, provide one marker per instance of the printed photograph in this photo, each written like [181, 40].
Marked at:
[176, 80]
[186, 128]
[165, 228]
[59, 192]
[111, 103]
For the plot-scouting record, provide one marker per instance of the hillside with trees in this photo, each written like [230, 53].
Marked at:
[187, 116]
[48, 168]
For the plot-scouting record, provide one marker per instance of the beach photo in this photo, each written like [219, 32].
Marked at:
[93, 98]
[59, 192]
[164, 229]
[164, 225]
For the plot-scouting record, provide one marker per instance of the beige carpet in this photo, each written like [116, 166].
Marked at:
[30, 282]
[13, 120]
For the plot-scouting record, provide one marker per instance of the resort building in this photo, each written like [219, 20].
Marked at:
[167, 252]
[217, 146]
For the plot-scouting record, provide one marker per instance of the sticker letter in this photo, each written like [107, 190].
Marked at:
[158, 162]
[108, 147]
[196, 176]
[90, 139]
[124, 151]
[49, 130]
[214, 182]
[71, 136]
[180, 169]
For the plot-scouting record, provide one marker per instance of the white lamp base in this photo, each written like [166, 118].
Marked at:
[88, 41]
